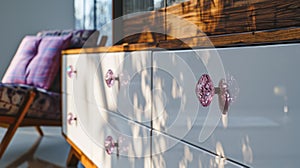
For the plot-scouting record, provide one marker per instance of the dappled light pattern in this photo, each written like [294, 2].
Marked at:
[225, 120]
[282, 92]
[159, 111]
[159, 146]
[174, 107]
[219, 161]
[247, 150]
[187, 158]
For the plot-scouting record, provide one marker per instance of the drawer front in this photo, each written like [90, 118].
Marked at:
[175, 105]
[125, 80]
[92, 128]
[73, 128]
[80, 77]
[132, 143]
[116, 141]
[260, 127]
[117, 82]
[170, 153]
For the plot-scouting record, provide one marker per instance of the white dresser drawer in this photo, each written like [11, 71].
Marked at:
[260, 128]
[88, 127]
[80, 77]
[130, 94]
[133, 143]
[175, 105]
[127, 90]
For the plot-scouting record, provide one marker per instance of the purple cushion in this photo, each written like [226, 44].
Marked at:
[84, 38]
[45, 65]
[80, 38]
[16, 72]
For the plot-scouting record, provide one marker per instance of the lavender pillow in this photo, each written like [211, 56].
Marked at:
[45, 65]
[16, 72]
[82, 38]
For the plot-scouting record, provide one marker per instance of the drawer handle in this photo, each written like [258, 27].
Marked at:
[110, 78]
[110, 145]
[205, 91]
[72, 119]
[71, 72]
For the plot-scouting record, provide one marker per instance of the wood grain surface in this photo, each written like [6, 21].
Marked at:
[211, 17]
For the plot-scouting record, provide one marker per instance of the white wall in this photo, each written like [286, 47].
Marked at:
[23, 17]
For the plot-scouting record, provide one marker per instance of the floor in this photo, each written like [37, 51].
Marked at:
[28, 149]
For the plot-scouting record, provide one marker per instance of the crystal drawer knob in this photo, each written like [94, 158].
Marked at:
[110, 78]
[110, 145]
[71, 119]
[205, 91]
[71, 71]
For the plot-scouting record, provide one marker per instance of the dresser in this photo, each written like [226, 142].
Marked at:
[224, 107]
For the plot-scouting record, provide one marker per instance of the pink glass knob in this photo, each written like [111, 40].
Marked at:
[205, 91]
[71, 71]
[110, 78]
[110, 145]
[71, 119]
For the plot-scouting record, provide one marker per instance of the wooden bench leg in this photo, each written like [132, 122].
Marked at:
[39, 130]
[13, 127]
[72, 159]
